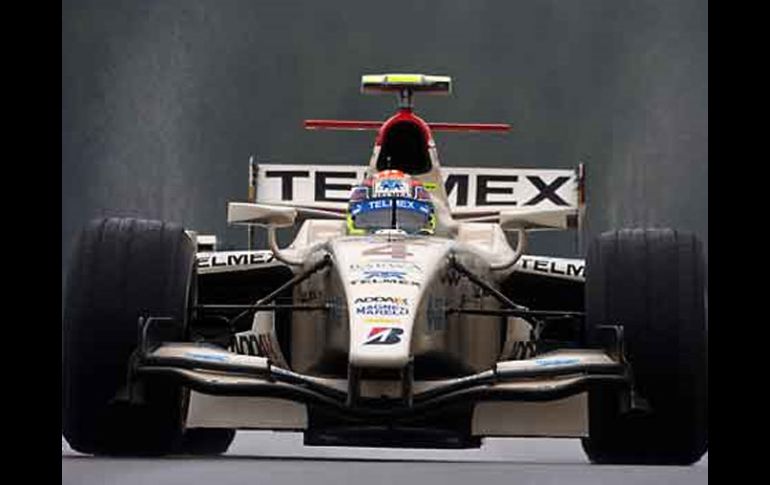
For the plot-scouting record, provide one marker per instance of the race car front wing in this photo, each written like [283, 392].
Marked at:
[212, 370]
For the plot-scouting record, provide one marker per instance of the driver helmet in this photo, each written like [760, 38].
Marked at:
[391, 200]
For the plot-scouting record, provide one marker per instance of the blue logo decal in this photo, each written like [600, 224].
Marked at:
[552, 362]
[210, 357]
[379, 274]
[390, 184]
[414, 205]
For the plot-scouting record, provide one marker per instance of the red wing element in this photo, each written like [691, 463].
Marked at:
[375, 125]
[494, 127]
[342, 125]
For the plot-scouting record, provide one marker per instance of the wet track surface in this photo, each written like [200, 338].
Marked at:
[278, 458]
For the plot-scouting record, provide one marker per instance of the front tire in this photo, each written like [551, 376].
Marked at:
[651, 281]
[122, 268]
[207, 441]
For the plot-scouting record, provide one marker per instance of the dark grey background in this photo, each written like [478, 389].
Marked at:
[163, 102]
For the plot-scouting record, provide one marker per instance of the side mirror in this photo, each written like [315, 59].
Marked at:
[260, 214]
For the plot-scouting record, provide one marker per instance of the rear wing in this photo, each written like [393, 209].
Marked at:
[535, 198]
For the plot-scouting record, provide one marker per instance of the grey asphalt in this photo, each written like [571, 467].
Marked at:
[276, 458]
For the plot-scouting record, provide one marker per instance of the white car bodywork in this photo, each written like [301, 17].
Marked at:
[390, 328]
[391, 284]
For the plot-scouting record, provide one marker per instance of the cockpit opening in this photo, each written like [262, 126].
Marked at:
[404, 148]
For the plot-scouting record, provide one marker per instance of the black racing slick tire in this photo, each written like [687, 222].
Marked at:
[207, 441]
[122, 269]
[652, 283]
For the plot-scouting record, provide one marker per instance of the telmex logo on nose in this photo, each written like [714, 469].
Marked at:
[465, 187]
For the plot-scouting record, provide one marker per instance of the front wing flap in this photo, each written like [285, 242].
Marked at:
[212, 370]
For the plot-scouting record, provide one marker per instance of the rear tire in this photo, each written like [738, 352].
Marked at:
[122, 268]
[651, 281]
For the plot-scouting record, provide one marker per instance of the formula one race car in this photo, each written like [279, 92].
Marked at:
[399, 316]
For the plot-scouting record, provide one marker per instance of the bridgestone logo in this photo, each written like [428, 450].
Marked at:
[384, 336]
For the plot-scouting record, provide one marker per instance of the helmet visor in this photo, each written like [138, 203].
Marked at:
[409, 215]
